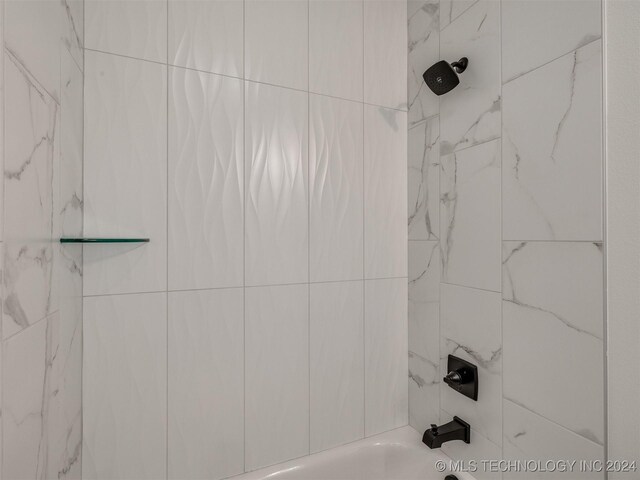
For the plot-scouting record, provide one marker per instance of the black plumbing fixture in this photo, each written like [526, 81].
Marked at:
[457, 429]
[450, 477]
[442, 77]
[462, 377]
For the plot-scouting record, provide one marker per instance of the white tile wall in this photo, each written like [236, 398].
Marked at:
[206, 387]
[337, 363]
[385, 53]
[424, 299]
[124, 386]
[125, 173]
[131, 28]
[276, 185]
[424, 392]
[452, 9]
[385, 359]
[385, 198]
[336, 48]
[276, 42]
[206, 205]
[207, 35]
[277, 374]
[336, 212]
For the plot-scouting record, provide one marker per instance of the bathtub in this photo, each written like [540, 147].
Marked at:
[395, 455]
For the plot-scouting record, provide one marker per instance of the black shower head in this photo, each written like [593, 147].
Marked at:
[442, 77]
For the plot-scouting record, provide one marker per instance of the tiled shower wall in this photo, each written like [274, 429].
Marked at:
[261, 145]
[505, 225]
[42, 108]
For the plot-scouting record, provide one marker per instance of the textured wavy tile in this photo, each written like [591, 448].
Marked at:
[337, 363]
[385, 192]
[470, 216]
[205, 180]
[553, 315]
[567, 25]
[424, 51]
[424, 180]
[277, 374]
[470, 114]
[385, 53]
[124, 387]
[335, 169]
[335, 48]
[276, 42]
[552, 147]
[207, 35]
[28, 407]
[31, 156]
[424, 297]
[385, 355]
[471, 328]
[206, 384]
[424, 392]
[276, 182]
[125, 173]
[132, 28]
[529, 437]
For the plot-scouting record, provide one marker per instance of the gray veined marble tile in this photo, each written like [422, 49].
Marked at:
[568, 24]
[553, 327]
[31, 157]
[552, 148]
[452, 9]
[424, 51]
[470, 114]
[424, 298]
[424, 180]
[424, 392]
[470, 216]
[471, 328]
[530, 437]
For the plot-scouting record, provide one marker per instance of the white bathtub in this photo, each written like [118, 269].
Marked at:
[395, 455]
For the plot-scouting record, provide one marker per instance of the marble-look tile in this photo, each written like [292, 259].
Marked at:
[132, 28]
[470, 216]
[336, 189]
[479, 450]
[125, 173]
[470, 114]
[424, 51]
[124, 387]
[276, 42]
[33, 32]
[452, 9]
[31, 155]
[276, 185]
[335, 48]
[424, 392]
[424, 180]
[530, 437]
[73, 30]
[277, 374]
[568, 25]
[207, 35]
[385, 192]
[206, 384]
[553, 316]
[471, 324]
[28, 418]
[424, 298]
[385, 53]
[552, 147]
[205, 180]
[337, 363]
[385, 355]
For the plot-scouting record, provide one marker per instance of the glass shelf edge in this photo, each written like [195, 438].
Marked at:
[103, 240]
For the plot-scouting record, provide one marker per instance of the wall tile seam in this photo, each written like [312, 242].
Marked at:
[539, 415]
[493, 139]
[27, 328]
[570, 52]
[24, 70]
[451, 284]
[453, 20]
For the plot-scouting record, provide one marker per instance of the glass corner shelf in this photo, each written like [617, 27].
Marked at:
[103, 240]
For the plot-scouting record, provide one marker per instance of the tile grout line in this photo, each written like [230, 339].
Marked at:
[244, 242]
[167, 244]
[309, 222]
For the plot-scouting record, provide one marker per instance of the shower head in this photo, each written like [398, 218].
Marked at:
[442, 77]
